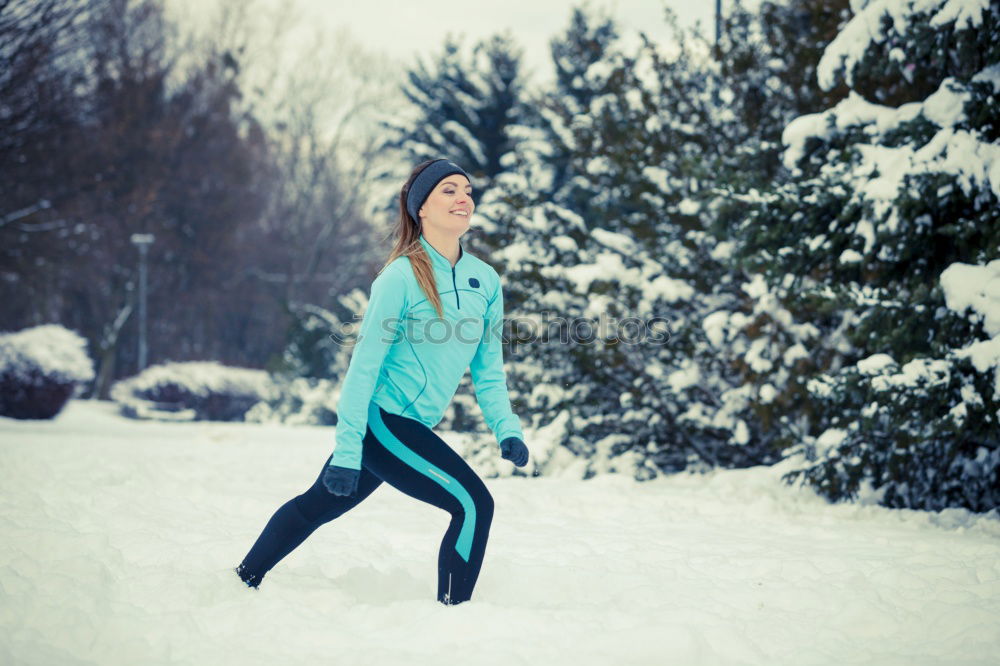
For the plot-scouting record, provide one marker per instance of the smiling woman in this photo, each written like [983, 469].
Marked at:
[399, 384]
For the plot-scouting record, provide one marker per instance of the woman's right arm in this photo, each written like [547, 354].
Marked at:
[379, 327]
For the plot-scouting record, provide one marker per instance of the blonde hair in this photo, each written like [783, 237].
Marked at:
[408, 244]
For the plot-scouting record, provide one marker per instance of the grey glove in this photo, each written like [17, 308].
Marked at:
[514, 450]
[341, 480]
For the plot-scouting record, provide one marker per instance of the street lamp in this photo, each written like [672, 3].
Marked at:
[718, 25]
[142, 241]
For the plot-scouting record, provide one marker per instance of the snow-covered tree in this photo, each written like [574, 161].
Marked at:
[461, 107]
[605, 219]
[894, 193]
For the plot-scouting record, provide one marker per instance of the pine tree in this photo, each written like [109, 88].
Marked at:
[752, 352]
[610, 213]
[462, 106]
[893, 190]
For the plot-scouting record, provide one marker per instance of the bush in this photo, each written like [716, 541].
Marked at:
[192, 391]
[922, 435]
[299, 401]
[463, 413]
[41, 368]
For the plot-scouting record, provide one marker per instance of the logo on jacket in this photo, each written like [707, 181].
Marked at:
[473, 282]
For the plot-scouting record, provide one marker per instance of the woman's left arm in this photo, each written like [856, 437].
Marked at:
[488, 376]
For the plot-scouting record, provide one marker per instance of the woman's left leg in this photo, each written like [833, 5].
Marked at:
[296, 519]
[411, 457]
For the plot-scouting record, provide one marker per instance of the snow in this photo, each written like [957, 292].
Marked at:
[657, 176]
[614, 240]
[976, 288]
[687, 375]
[562, 243]
[875, 364]
[723, 250]
[965, 13]
[49, 350]
[722, 325]
[944, 107]
[830, 440]
[688, 207]
[457, 133]
[668, 289]
[308, 400]
[756, 287]
[582, 275]
[516, 253]
[118, 538]
[882, 170]
[795, 352]
[555, 122]
[933, 372]
[633, 97]
[990, 75]
[866, 230]
[648, 277]
[757, 356]
[599, 166]
[865, 27]
[984, 354]
[850, 257]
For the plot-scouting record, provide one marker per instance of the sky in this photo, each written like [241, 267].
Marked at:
[402, 29]
[301, 60]
[421, 27]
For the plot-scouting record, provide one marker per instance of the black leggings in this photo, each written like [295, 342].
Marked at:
[409, 456]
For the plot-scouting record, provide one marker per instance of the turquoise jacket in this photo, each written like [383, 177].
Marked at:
[410, 362]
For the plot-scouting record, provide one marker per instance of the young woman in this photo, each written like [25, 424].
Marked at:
[434, 311]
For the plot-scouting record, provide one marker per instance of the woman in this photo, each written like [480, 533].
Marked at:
[434, 311]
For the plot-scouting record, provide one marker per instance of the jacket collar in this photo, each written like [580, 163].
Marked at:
[438, 259]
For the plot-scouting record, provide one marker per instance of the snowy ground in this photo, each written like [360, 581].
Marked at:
[118, 538]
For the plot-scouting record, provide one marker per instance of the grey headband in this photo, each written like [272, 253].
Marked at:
[426, 180]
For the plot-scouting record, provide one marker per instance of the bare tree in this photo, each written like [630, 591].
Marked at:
[317, 93]
[247, 150]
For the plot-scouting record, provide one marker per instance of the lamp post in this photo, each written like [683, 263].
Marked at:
[142, 241]
[718, 21]
[718, 25]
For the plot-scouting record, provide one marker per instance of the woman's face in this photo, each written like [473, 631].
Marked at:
[449, 206]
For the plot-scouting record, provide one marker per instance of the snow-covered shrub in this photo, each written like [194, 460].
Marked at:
[40, 369]
[320, 339]
[298, 401]
[463, 413]
[192, 391]
[924, 435]
[919, 436]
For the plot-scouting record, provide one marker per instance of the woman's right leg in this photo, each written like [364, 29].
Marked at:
[296, 519]
[411, 457]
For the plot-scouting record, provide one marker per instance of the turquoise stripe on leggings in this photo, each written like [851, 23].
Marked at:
[445, 480]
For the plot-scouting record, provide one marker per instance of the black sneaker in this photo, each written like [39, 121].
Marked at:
[250, 579]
